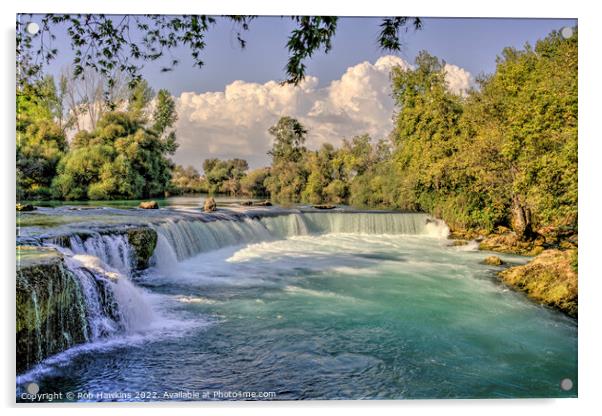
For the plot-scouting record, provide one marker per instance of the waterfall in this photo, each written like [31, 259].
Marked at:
[102, 265]
[188, 238]
[184, 238]
[113, 250]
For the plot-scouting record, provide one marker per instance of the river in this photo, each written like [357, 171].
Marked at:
[305, 305]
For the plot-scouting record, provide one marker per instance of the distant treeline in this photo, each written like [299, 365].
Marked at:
[504, 154]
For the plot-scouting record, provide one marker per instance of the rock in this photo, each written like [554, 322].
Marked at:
[50, 308]
[550, 278]
[149, 205]
[25, 207]
[493, 261]
[510, 243]
[209, 205]
[143, 242]
[456, 243]
[520, 219]
[246, 203]
[265, 203]
[324, 206]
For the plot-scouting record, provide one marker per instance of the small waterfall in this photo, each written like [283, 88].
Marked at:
[284, 226]
[181, 239]
[113, 250]
[187, 238]
[367, 223]
[102, 265]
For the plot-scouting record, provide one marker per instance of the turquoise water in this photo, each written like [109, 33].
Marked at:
[332, 316]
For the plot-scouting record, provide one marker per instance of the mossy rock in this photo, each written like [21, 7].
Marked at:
[493, 261]
[143, 242]
[50, 308]
[550, 279]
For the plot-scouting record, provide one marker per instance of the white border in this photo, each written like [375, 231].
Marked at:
[589, 192]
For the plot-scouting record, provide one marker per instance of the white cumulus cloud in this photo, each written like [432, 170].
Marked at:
[234, 122]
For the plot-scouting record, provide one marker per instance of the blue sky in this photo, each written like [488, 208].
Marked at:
[472, 44]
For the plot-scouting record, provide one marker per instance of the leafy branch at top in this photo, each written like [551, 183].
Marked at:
[110, 44]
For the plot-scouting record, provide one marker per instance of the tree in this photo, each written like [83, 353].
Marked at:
[253, 184]
[522, 124]
[225, 175]
[109, 44]
[41, 140]
[186, 180]
[87, 97]
[289, 139]
[124, 157]
[326, 180]
[287, 175]
[427, 123]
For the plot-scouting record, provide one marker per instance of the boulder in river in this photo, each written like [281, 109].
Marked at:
[25, 207]
[265, 203]
[149, 205]
[493, 261]
[143, 241]
[246, 203]
[324, 206]
[209, 205]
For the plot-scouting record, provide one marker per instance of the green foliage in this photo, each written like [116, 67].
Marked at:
[253, 184]
[186, 180]
[40, 140]
[504, 155]
[288, 174]
[224, 176]
[122, 158]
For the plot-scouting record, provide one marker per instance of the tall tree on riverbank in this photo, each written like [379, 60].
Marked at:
[41, 140]
[504, 156]
[125, 156]
[287, 173]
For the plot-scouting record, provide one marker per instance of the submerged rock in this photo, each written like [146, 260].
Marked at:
[143, 242]
[246, 203]
[149, 205]
[324, 206]
[209, 205]
[265, 203]
[25, 207]
[493, 261]
[50, 311]
[551, 278]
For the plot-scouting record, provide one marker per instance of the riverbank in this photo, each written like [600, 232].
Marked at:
[550, 278]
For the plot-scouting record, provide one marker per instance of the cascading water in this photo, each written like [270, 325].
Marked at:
[179, 240]
[102, 265]
[113, 250]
